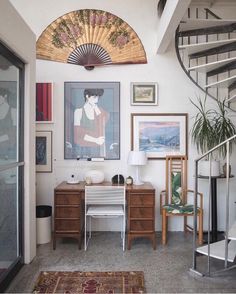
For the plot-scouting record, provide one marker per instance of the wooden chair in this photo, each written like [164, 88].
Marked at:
[175, 197]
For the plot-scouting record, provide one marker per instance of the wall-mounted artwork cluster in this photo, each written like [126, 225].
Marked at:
[90, 37]
[44, 114]
[92, 123]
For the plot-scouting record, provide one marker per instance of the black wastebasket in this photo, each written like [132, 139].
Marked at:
[43, 223]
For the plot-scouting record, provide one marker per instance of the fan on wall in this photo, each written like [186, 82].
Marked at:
[90, 38]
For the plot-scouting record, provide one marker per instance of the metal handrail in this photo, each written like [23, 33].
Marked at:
[209, 154]
[214, 148]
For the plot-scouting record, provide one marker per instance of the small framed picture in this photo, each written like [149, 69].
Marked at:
[43, 151]
[144, 94]
[44, 93]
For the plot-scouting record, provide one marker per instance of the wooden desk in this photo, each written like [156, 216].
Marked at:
[69, 212]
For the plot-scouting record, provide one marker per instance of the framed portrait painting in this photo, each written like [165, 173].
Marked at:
[92, 120]
[44, 93]
[159, 134]
[43, 151]
[144, 94]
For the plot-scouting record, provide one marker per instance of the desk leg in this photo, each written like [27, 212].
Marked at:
[214, 209]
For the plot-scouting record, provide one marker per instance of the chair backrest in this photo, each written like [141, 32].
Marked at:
[105, 195]
[176, 179]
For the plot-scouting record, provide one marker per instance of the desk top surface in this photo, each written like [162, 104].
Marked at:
[81, 186]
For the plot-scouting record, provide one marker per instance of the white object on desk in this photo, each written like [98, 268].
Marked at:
[96, 176]
[73, 180]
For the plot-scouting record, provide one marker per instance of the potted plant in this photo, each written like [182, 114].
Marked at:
[210, 128]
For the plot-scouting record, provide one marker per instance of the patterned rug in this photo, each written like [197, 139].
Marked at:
[90, 282]
[2, 270]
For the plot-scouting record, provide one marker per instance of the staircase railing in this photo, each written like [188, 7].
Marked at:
[209, 156]
[200, 79]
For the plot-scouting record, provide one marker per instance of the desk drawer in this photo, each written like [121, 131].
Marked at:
[142, 200]
[142, 226]
[67, 212]
[67, 199]
[141, 212]
[67, 225]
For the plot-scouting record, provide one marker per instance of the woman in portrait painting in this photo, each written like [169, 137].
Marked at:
[89, 125]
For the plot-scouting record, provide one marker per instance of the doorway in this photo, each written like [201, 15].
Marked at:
[11, 164]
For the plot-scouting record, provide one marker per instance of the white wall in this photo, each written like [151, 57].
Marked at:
[15, 33]
[174, 91]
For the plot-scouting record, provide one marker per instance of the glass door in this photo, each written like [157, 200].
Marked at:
[11, 164]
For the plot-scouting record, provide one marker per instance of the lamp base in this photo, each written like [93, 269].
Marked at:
[137, 180]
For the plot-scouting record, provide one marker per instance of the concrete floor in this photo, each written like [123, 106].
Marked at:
[166, 270]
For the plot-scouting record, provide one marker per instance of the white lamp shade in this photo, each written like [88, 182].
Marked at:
[137, 158]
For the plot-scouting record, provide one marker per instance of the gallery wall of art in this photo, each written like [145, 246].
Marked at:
[173, 93]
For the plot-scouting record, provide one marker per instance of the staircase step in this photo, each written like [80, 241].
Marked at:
[222, 83]
[222, 27]
[217, 250]
[232, 231]
[200, 23]
[221, 69]
[194, 48]
[231, 99]
[211, 65]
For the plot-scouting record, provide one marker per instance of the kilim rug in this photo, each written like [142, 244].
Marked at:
[90, 282]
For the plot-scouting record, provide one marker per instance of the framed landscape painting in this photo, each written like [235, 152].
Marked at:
[159, 134]
[144, 94]
[44, 92]
[92, 120]
[43, 153]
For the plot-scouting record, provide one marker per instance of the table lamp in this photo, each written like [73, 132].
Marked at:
[137, 158]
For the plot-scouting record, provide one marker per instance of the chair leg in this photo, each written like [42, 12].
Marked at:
[164, 226]
[200, 228]
[85, 233]
[185, 224]
[123, 232]
[90, 227]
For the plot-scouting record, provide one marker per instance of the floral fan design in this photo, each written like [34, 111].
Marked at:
[90, 38]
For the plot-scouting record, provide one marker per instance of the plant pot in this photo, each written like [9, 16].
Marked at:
[204, 168]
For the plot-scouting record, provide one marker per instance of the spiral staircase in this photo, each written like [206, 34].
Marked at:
[206, 49]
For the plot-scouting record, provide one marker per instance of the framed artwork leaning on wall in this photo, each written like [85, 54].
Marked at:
[43, 146]
[159, 134]
[92, 120]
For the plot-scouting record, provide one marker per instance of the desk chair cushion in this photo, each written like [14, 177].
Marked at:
[94, 210]
[179, 209]
[176, 198]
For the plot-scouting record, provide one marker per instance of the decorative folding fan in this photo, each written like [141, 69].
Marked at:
[90, 37]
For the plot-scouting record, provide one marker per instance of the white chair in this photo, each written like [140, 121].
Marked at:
[104, 202]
